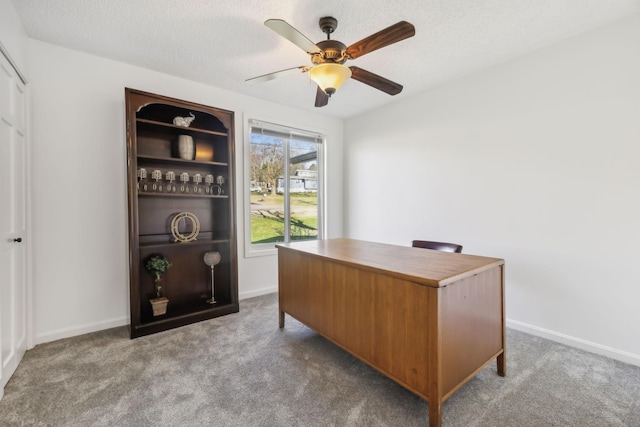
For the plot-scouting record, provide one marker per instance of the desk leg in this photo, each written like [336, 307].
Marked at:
[281, 319]
[502, 364]
[435, 414]
[502, 358]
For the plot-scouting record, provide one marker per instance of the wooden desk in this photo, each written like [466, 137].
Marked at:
[428, 320]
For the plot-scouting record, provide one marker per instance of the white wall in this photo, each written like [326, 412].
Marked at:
[79, 184]
[12, 34]
[534, 161]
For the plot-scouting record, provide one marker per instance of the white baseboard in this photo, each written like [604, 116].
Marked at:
[603, 350]
[80, 330]
[114, 323]
[258, 292]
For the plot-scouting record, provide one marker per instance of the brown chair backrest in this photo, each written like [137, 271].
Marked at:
[438, 246]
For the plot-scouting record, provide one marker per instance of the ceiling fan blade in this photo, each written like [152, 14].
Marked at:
[322, 98]
[277, 74]
[374, 80]
[390, 35]
[294, 36]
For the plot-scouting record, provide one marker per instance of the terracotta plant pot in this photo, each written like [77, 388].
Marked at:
[159, 305]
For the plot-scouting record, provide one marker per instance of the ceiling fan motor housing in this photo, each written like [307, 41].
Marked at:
[333, 51]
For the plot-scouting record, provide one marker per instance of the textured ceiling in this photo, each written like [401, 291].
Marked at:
[224, 42]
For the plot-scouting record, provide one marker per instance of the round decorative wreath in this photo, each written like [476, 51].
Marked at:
[195, 227]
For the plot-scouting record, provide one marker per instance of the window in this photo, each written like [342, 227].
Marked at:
[284, 185]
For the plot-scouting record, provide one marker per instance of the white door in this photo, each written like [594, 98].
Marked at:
[13, 238]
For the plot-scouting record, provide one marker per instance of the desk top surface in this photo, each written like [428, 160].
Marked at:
[425, 266]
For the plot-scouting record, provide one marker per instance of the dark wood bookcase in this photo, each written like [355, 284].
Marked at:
[152, 139]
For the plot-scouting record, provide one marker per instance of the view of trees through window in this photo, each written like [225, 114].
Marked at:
[283, 209]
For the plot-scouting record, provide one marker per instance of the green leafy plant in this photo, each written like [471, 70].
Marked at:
[157, 265]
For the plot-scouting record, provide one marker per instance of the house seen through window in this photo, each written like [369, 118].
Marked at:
[285, 183]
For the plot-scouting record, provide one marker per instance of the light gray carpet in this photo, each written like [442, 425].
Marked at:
[242, 370]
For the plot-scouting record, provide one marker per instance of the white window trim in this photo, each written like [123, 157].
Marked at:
[269, 249]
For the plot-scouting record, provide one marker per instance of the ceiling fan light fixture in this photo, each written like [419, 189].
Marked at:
[329, 76]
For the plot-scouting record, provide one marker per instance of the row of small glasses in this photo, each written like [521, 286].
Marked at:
[171, 186]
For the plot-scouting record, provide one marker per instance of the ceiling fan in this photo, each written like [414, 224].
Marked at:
[328, 56]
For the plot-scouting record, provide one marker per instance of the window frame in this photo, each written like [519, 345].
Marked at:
[266, 249]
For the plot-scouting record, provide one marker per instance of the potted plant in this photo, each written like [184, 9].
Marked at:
[157, 265]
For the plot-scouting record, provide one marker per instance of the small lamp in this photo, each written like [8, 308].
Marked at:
[329, 76]
[212, 259]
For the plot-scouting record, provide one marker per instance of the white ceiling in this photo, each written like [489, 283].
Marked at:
[224, 42]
